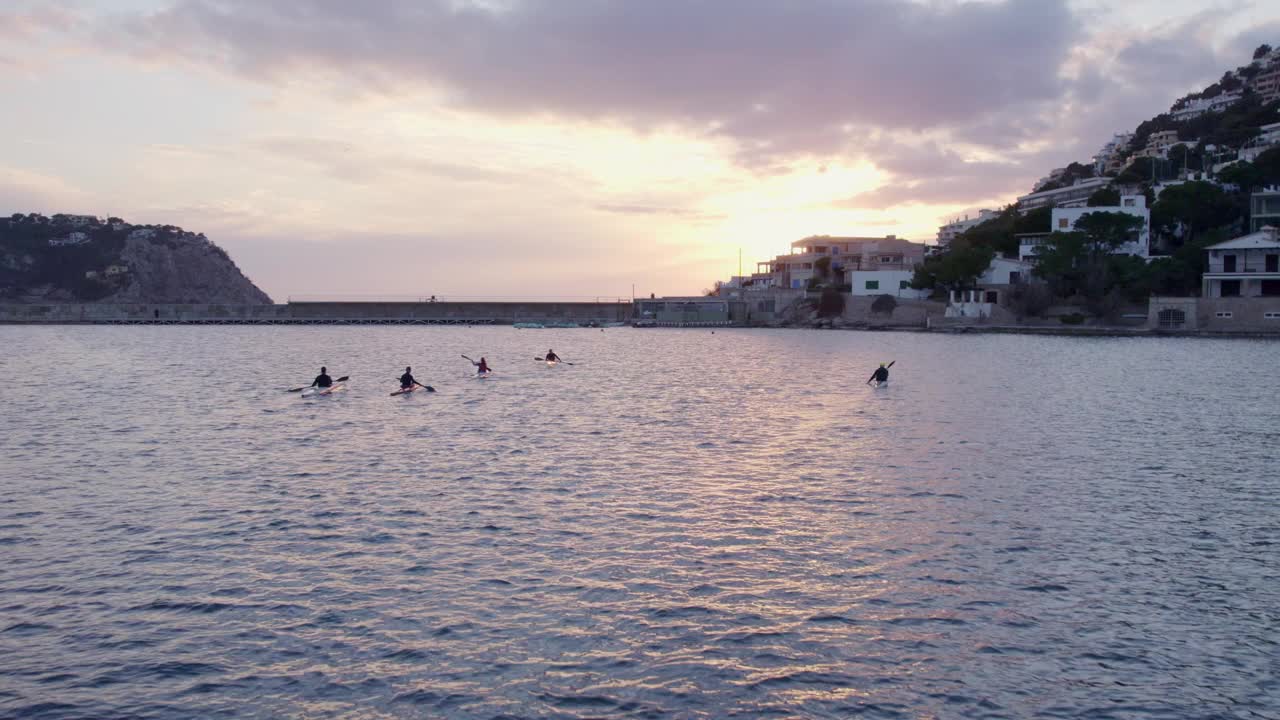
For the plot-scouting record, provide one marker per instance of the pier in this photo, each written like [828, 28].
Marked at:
[426, 312]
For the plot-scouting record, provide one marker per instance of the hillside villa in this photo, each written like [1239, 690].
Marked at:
[1064, 219]
[1247, 266]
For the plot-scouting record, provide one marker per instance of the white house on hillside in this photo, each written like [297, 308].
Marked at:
[1076, 194]
[953, 229]
[1065, 219]
[1247, 266]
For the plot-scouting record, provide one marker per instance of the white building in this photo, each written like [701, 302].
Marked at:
[1247, 266]
[1195, 108]
[1267, 82]
[1004, 272]
[77, 220]
[953, 229]
[884, 282]
[1064, 219]
[1108, 158]
[1268, 138]
[75, 238]
[826, 256]
[1053, 176]
[1160, 143]
[1072, 196]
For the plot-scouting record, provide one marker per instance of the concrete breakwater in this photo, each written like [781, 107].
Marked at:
[322, 313]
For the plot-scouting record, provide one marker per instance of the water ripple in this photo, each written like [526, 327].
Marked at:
[684, 525]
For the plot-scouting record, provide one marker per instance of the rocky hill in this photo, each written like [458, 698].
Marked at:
[81, 258]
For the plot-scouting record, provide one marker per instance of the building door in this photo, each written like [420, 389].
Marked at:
[1271, 288]
[1229, 263]
[1171, 319]
[1230, 288]
[1273, 263]
[993, 297]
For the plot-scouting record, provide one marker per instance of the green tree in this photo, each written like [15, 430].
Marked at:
[1183, 157]
[1179, 274]
[998, 232]
[1033, 221]
[957, 269]
[1140, 170]
[1262, 51]
[1080, 262]
[1104, 197]
[1192, 208]
[822, 267]
[1268, 165]
[1244, 174]
[830, 303]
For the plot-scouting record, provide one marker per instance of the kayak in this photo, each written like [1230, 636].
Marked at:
[407, 391]
[323, 392]
[552, 363]
[483, 375]
[879, 385]
[528, 326]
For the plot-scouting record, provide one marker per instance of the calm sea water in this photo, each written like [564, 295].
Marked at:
[684, 524]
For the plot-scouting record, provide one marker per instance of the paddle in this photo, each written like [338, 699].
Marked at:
[873, 375]
[402, 391]
[473, 362]
[344, 378]
[566, 362]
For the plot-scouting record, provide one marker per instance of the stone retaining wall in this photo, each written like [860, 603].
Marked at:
[321, 312]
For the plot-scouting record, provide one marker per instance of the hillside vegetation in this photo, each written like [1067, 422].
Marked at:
[76, 258]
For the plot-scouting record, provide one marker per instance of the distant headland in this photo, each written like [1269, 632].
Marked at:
[84, 259]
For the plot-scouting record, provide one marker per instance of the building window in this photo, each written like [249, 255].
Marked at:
[873, 285]
[1226, 315]
[1063, 224]
[1170, 318]
[1271, 316]
[904, 284]
[1128, 202]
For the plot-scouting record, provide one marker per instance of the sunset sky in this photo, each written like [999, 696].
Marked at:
[541, 148]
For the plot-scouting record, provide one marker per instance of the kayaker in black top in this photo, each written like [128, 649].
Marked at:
[881, 375]
[552, 356]
[322, 380]
[406, 380]
[482, 367]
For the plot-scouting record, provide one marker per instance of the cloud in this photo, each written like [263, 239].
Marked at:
[956, 102]
[24, 191]
[778, 76]
[1247, 41]
[26, 21]
[352, 163]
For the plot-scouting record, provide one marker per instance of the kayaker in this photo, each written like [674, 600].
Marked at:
[881, 375]
[482, 367]
[322, 380]
[407, 381]
[552, 356]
